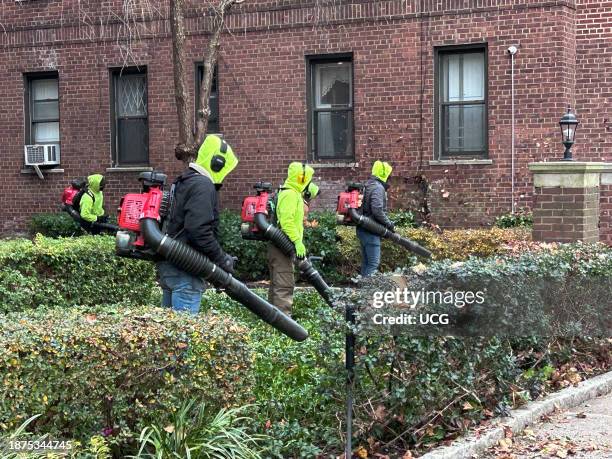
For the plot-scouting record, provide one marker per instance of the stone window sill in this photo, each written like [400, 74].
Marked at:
[30, 170]
[460, 162]
[331, 165]
[129, 169]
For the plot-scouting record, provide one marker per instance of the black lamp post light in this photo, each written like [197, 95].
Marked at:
[568, 124]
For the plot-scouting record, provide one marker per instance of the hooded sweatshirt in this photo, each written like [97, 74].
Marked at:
[290, 205]
[195, 214]
[375, 194]
[92, 202]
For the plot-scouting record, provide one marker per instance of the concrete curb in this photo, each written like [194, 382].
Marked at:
[527, 415]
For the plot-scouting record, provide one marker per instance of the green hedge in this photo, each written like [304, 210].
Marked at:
[419, 386]
[55, 225]
[80, 271]
[456, 245]
[112, 371]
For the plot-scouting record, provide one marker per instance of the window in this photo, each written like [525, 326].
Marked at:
[213, 100]
[42, 108]
[461, 95]
[130, 123]
[330, 108]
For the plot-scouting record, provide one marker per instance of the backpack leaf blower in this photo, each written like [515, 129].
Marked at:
[140, 236]
[255, 226]
[71, 203]
[347, 213]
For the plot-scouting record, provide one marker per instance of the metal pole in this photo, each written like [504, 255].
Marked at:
[350, 380]
[513, 152]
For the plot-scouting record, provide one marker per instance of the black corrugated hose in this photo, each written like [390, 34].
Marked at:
[193, 262]
[376, 228]
[105, 227]
[284, 244]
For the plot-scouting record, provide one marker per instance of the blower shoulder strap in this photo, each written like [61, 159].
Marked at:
[273, 203]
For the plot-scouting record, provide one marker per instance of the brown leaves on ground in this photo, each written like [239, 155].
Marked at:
[566, 376]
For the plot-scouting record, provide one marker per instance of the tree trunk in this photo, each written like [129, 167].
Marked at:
[188, 144]
[184, 148]
[210, 61]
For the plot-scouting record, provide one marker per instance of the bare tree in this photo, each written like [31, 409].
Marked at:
[189, 141]
[133, 19]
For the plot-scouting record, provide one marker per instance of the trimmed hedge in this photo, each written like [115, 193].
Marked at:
[80, 271]
[55, 225]
[457, 245]
[113, 371]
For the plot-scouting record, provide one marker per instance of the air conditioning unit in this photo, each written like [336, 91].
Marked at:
[42, 155]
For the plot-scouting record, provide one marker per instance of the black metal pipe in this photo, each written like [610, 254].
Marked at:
[284, 244]
[376, 228]
[187, 259]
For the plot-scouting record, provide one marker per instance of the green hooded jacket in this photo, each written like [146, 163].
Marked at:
[290, 205]
[213, 146]
[92, 202]
[381, 170]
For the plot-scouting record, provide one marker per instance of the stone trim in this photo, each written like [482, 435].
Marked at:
[293, 14]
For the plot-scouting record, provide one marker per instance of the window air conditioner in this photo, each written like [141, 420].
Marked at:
[42, 155]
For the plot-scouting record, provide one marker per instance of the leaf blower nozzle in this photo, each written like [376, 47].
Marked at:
[347, 213]
[141, 237]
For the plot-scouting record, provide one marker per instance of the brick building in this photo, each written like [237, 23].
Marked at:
[425, 84]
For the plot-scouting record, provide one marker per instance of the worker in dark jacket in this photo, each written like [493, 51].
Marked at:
[374, 205]
[194, 220]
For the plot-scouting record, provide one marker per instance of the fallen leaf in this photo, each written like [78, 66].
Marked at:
[467, 406]
[581, 415]
[380, 413]
[361, 452]
[91, 318]
[407, 455]
[169, 428]
[505, 443]
[508, 432]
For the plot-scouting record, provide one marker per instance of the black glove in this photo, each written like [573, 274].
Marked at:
[103, 219]
[227, 263]
[391, 227]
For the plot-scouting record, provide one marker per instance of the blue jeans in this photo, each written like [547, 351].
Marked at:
[370, 251]
[181, 291]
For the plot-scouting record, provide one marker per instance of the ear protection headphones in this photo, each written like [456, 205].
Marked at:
[302, 176]
[307, 193]
[217, 162]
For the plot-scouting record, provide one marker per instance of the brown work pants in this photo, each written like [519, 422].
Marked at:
[282, 281]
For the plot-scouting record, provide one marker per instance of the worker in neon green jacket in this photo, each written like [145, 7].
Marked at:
[92, 203]
[290, 219]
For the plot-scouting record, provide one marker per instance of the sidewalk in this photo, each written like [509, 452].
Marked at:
[579, 433]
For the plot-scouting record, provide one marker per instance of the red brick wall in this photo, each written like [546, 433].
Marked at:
[263, 93]
[594, 94]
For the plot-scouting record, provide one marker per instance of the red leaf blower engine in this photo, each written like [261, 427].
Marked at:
[140, 236]
[71, 199]
[255, 226]
[347, 213]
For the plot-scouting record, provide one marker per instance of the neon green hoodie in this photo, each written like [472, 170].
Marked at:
[381, 170]
[213, 146]
[290, 205]
[92, 202]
